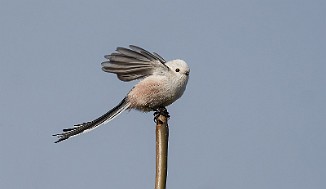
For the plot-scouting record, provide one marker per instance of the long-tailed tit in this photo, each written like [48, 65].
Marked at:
[161, 83]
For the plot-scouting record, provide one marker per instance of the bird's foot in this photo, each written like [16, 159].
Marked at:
[161, 111]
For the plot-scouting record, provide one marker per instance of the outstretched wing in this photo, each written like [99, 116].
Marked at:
[133, 63]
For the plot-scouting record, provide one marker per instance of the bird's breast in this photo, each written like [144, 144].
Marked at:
[153, 92]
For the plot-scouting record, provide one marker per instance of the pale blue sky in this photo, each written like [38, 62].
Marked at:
[252, 117]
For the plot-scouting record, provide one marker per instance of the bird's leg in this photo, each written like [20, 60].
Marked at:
[161, 111]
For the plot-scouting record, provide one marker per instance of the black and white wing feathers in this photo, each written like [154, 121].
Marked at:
[133, 63]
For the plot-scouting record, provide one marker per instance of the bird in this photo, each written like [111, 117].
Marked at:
[160, 84]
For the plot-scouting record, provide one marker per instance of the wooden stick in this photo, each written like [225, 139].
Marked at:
[162, 139]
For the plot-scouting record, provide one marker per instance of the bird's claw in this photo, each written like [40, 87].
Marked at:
[161, 111]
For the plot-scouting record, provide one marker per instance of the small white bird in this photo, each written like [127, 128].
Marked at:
[161, 84]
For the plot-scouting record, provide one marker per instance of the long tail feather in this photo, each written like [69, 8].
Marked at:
[88, 126]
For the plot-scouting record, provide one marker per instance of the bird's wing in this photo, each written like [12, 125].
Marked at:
[133, 63]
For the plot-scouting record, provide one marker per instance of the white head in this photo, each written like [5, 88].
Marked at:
[179, 67]
[179, 71]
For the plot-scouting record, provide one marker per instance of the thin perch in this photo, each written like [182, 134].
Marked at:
[162, 138]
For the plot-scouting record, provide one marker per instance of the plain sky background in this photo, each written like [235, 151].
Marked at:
[252, 117]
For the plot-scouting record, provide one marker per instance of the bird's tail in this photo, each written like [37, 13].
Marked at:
[87, 126]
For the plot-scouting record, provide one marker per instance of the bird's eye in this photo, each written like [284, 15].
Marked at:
[177, 70]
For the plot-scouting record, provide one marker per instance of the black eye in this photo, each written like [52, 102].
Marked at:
[177, 70]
